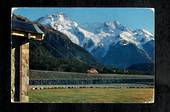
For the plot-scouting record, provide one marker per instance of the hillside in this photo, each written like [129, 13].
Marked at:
[109, 42]
[57, 52]
[109, 47]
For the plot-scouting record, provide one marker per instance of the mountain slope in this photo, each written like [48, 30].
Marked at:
[57, 52]
[108, 42]
[76, 34]
[68, 56]
[149, 47]
[146, 68]
[122, 56]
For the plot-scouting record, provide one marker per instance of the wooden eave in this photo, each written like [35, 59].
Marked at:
[26, 30]
[28, 35]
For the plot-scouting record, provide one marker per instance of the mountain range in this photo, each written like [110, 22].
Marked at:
[57, 52]
[110, 43]
[69, 46]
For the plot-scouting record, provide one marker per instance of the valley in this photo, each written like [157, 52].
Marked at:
[107, 58]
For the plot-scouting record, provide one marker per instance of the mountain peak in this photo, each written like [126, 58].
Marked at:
[143, 32]
[60, 16]
[99, 37]
[112, 24]
[116, 22]
[52, 18]
[58, 21]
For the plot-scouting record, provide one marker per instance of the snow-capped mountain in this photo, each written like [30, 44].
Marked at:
[61, 23]
[105, 40]
[77, 34]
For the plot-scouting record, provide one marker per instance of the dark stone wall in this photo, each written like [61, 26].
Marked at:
[94, 81]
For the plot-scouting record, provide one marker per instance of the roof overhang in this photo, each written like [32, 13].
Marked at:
[26, 30]
[27, 35]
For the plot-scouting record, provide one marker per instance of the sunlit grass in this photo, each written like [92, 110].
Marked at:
[92, 95]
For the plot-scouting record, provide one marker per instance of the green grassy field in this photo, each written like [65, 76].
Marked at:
[92, 95]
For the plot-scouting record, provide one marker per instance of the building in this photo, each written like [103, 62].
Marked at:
[92, 71]
[21, 33]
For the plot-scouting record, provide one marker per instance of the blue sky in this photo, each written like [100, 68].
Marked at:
[134, 18]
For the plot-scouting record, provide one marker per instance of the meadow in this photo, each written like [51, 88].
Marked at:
[92, 95]
[69, 87]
